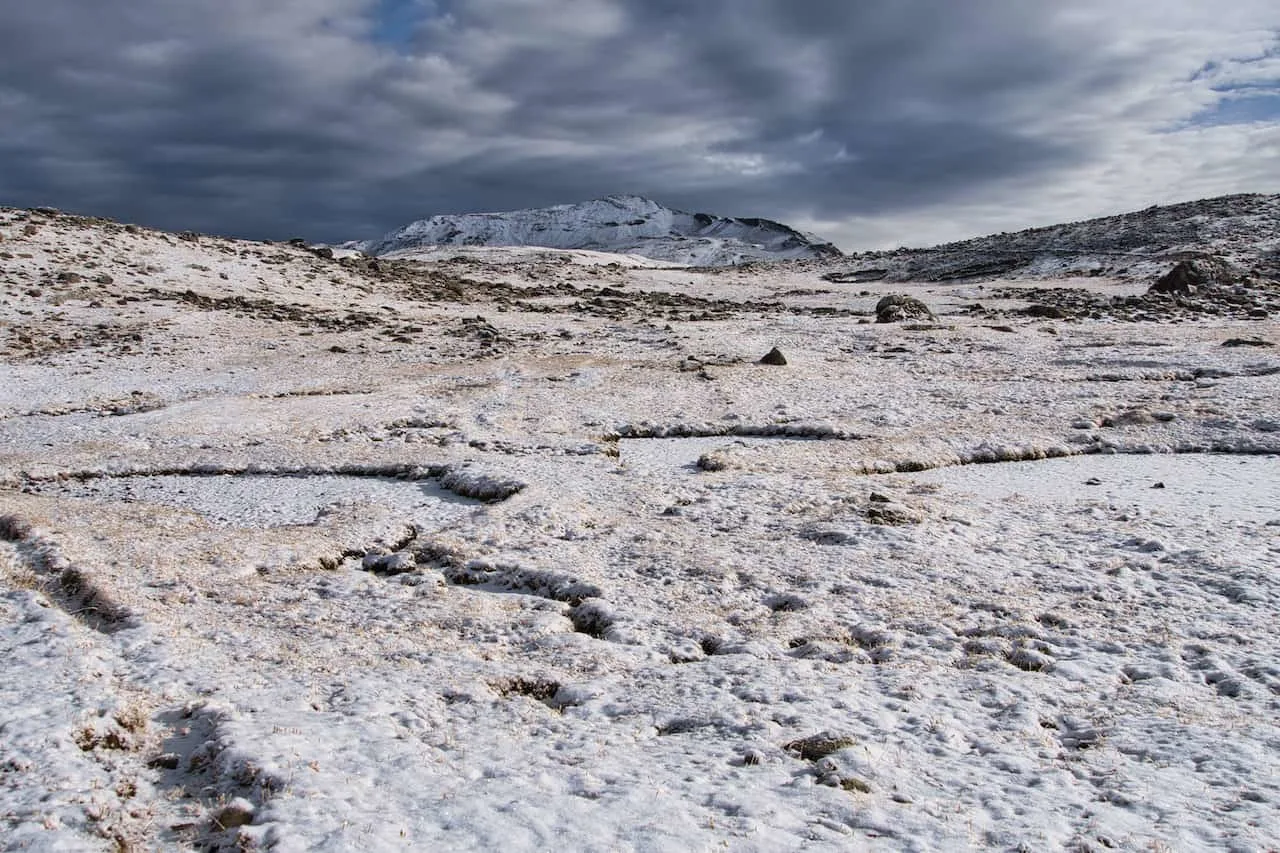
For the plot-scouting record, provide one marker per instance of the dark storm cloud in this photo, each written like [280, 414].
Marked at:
[341, 118]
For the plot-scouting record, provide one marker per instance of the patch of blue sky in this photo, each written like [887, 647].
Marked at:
[396, 22]
[1241, 105]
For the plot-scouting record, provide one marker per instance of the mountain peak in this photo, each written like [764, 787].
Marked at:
[621, 223]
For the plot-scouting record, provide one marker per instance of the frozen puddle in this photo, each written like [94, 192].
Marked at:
[269, 500]
[1221, 486]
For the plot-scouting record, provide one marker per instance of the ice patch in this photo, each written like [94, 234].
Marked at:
[1223, 486]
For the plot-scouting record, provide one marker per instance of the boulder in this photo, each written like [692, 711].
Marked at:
[1186, 277]
[896, 308]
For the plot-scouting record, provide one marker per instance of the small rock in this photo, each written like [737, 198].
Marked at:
[815, 747]
[892, 513]
[238, 812]
[716, 460]
[1158, 485]
[69, 277]
[1246, 342]
[774, 357]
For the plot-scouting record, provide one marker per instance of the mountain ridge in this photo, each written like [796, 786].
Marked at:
[622, 224]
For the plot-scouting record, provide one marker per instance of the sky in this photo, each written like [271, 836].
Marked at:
[873, 124]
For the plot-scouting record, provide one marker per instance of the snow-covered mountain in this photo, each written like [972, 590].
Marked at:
[1242, 231]
[624, 224]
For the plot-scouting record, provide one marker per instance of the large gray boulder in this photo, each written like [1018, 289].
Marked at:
[895, 308]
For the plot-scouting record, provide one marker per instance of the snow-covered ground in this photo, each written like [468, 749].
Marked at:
[299, 555]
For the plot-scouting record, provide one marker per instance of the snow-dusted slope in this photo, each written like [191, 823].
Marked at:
[300, 553]
[619, 223]
[1242, 230]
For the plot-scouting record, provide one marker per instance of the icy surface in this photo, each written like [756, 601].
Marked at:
[694, 601]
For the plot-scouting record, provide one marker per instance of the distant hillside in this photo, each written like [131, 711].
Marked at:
[623, 224]
[1241, 230]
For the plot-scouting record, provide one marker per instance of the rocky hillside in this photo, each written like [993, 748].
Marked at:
[622, 224]
[1241, 232]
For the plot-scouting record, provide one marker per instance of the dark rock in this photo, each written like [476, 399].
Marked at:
[1158, 485]
[1189, 276]
[1247, 342]
[896, 307]
[189, 236]
[69, 277]
[1093, 481]
[773, 356]
[103, 278]
[1052, 312]
[855, 276]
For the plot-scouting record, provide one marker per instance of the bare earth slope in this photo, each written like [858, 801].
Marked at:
[306, 554]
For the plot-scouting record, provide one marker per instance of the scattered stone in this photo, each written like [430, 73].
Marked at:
[1246, 342]
[1029, 659]
[892, 513]
[716, 460]
[1093, 481]
[69, 277]
[238, 812]
[1158, 485]
[1131, 417]
[389, 564]
[897, 307]
[774, 357]
[854, 784]
[1050, 312]
[819, 746]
